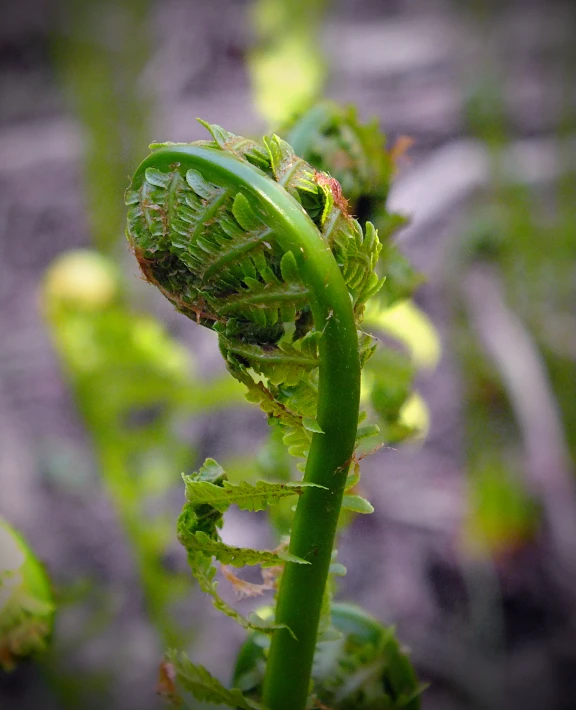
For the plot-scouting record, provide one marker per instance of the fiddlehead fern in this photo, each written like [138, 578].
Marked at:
[252, 242]
[232, 260]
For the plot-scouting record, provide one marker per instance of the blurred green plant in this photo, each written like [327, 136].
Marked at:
[503, 516]
[286, 64]
[352, 670]
[521, 250]
[101, 49]
[134, 386]
[26, 600]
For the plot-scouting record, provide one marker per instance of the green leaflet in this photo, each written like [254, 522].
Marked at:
[210, 472]
[286, 364]
[277, 403]
[367, 431]
[357, 504]
[246, 496]
[311, 424]
[204, 570]
[293, 173]
[209, 495]
[338, 570]
[243, 148]
[204, 687]
[199, 543]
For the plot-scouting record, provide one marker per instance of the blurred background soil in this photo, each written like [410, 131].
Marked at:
[485, 631]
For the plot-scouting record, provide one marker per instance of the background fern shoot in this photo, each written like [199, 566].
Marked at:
[252, 242]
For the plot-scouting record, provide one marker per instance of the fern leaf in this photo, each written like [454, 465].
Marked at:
[204, 572]
[241, 147]
[264, 302]
[357, 504]
[204, 687]
[293, 173]
[285, 363]
[311, 424]
[257, 392]
[367, 431]
[199, 543]
[297, 440]
[209, 495]
[210, 472]
[246, 496]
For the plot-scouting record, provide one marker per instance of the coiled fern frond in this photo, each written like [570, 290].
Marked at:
[251, 241]
[220, 257]
[216, 256]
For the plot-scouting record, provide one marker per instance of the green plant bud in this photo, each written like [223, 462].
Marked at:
[80, 279]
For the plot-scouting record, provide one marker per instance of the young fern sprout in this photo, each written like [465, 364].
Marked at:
[250, 241]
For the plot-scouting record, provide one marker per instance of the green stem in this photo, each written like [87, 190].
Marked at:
[302, 588]
[286, 685]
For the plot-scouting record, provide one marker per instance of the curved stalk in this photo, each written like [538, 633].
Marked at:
[302, 587]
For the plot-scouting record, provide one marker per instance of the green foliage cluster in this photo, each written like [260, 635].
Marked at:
[362, 668]
[133, 385]
[510, 222]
